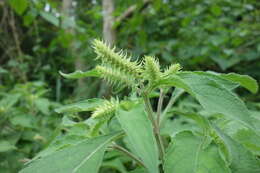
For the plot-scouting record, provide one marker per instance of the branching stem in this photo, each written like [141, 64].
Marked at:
[156, 129]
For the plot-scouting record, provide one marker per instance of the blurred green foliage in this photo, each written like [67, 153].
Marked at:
[27, 123]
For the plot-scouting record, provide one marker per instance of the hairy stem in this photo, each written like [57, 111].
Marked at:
[126, 152]
[156, 128]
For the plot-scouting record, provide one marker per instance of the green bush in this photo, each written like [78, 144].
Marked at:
[128, 135]
[27, 123]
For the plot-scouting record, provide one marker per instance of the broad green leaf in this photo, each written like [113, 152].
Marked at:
[186, 154]
[243, 80]
[19, 6]
[230, 80]
[216, 98]
[79, 74]
[60, 142]
[139, 130]
[86, 105]
[241, 160]
[50, 18]
[217, 78]
[83, 157]
[6, 146]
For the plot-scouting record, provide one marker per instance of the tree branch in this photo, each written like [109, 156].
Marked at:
[130, 11]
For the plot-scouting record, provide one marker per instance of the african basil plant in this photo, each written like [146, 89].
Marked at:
[221, 136]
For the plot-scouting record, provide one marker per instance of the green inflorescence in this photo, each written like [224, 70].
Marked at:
[114, 76]
[151, 69]
[118, 69]
[106, 109]
[118, 60]
[172, 69]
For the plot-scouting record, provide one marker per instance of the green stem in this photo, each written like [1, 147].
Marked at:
[159, 107]
[175, 95]
[155, 126]
[126, 152]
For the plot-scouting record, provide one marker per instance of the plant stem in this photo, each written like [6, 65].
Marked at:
[175, 95]
[155, 126]
[149, 109]
[126, 152]
[159, 107]
[159, 110]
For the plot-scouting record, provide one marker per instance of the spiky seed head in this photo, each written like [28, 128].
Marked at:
[106, 109]
[174, 68]
[151, 69]
[116, 77]
[115, 59]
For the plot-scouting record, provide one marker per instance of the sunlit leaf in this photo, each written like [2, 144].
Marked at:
[83, 157]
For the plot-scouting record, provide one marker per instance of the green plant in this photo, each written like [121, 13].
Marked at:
[26, 123]
[215, 140]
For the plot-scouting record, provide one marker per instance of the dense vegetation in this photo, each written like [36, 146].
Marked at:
[39, 38]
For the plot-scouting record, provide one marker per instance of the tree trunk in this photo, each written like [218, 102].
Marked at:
[109, 36]
[108, 21]
[68, 11]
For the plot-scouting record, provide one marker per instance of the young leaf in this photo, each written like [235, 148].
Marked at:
[139, 130]
[186, 154]
[79, 74]
[86, 105]
[83, 157]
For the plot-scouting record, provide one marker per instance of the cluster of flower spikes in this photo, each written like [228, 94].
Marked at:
[116, 67]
